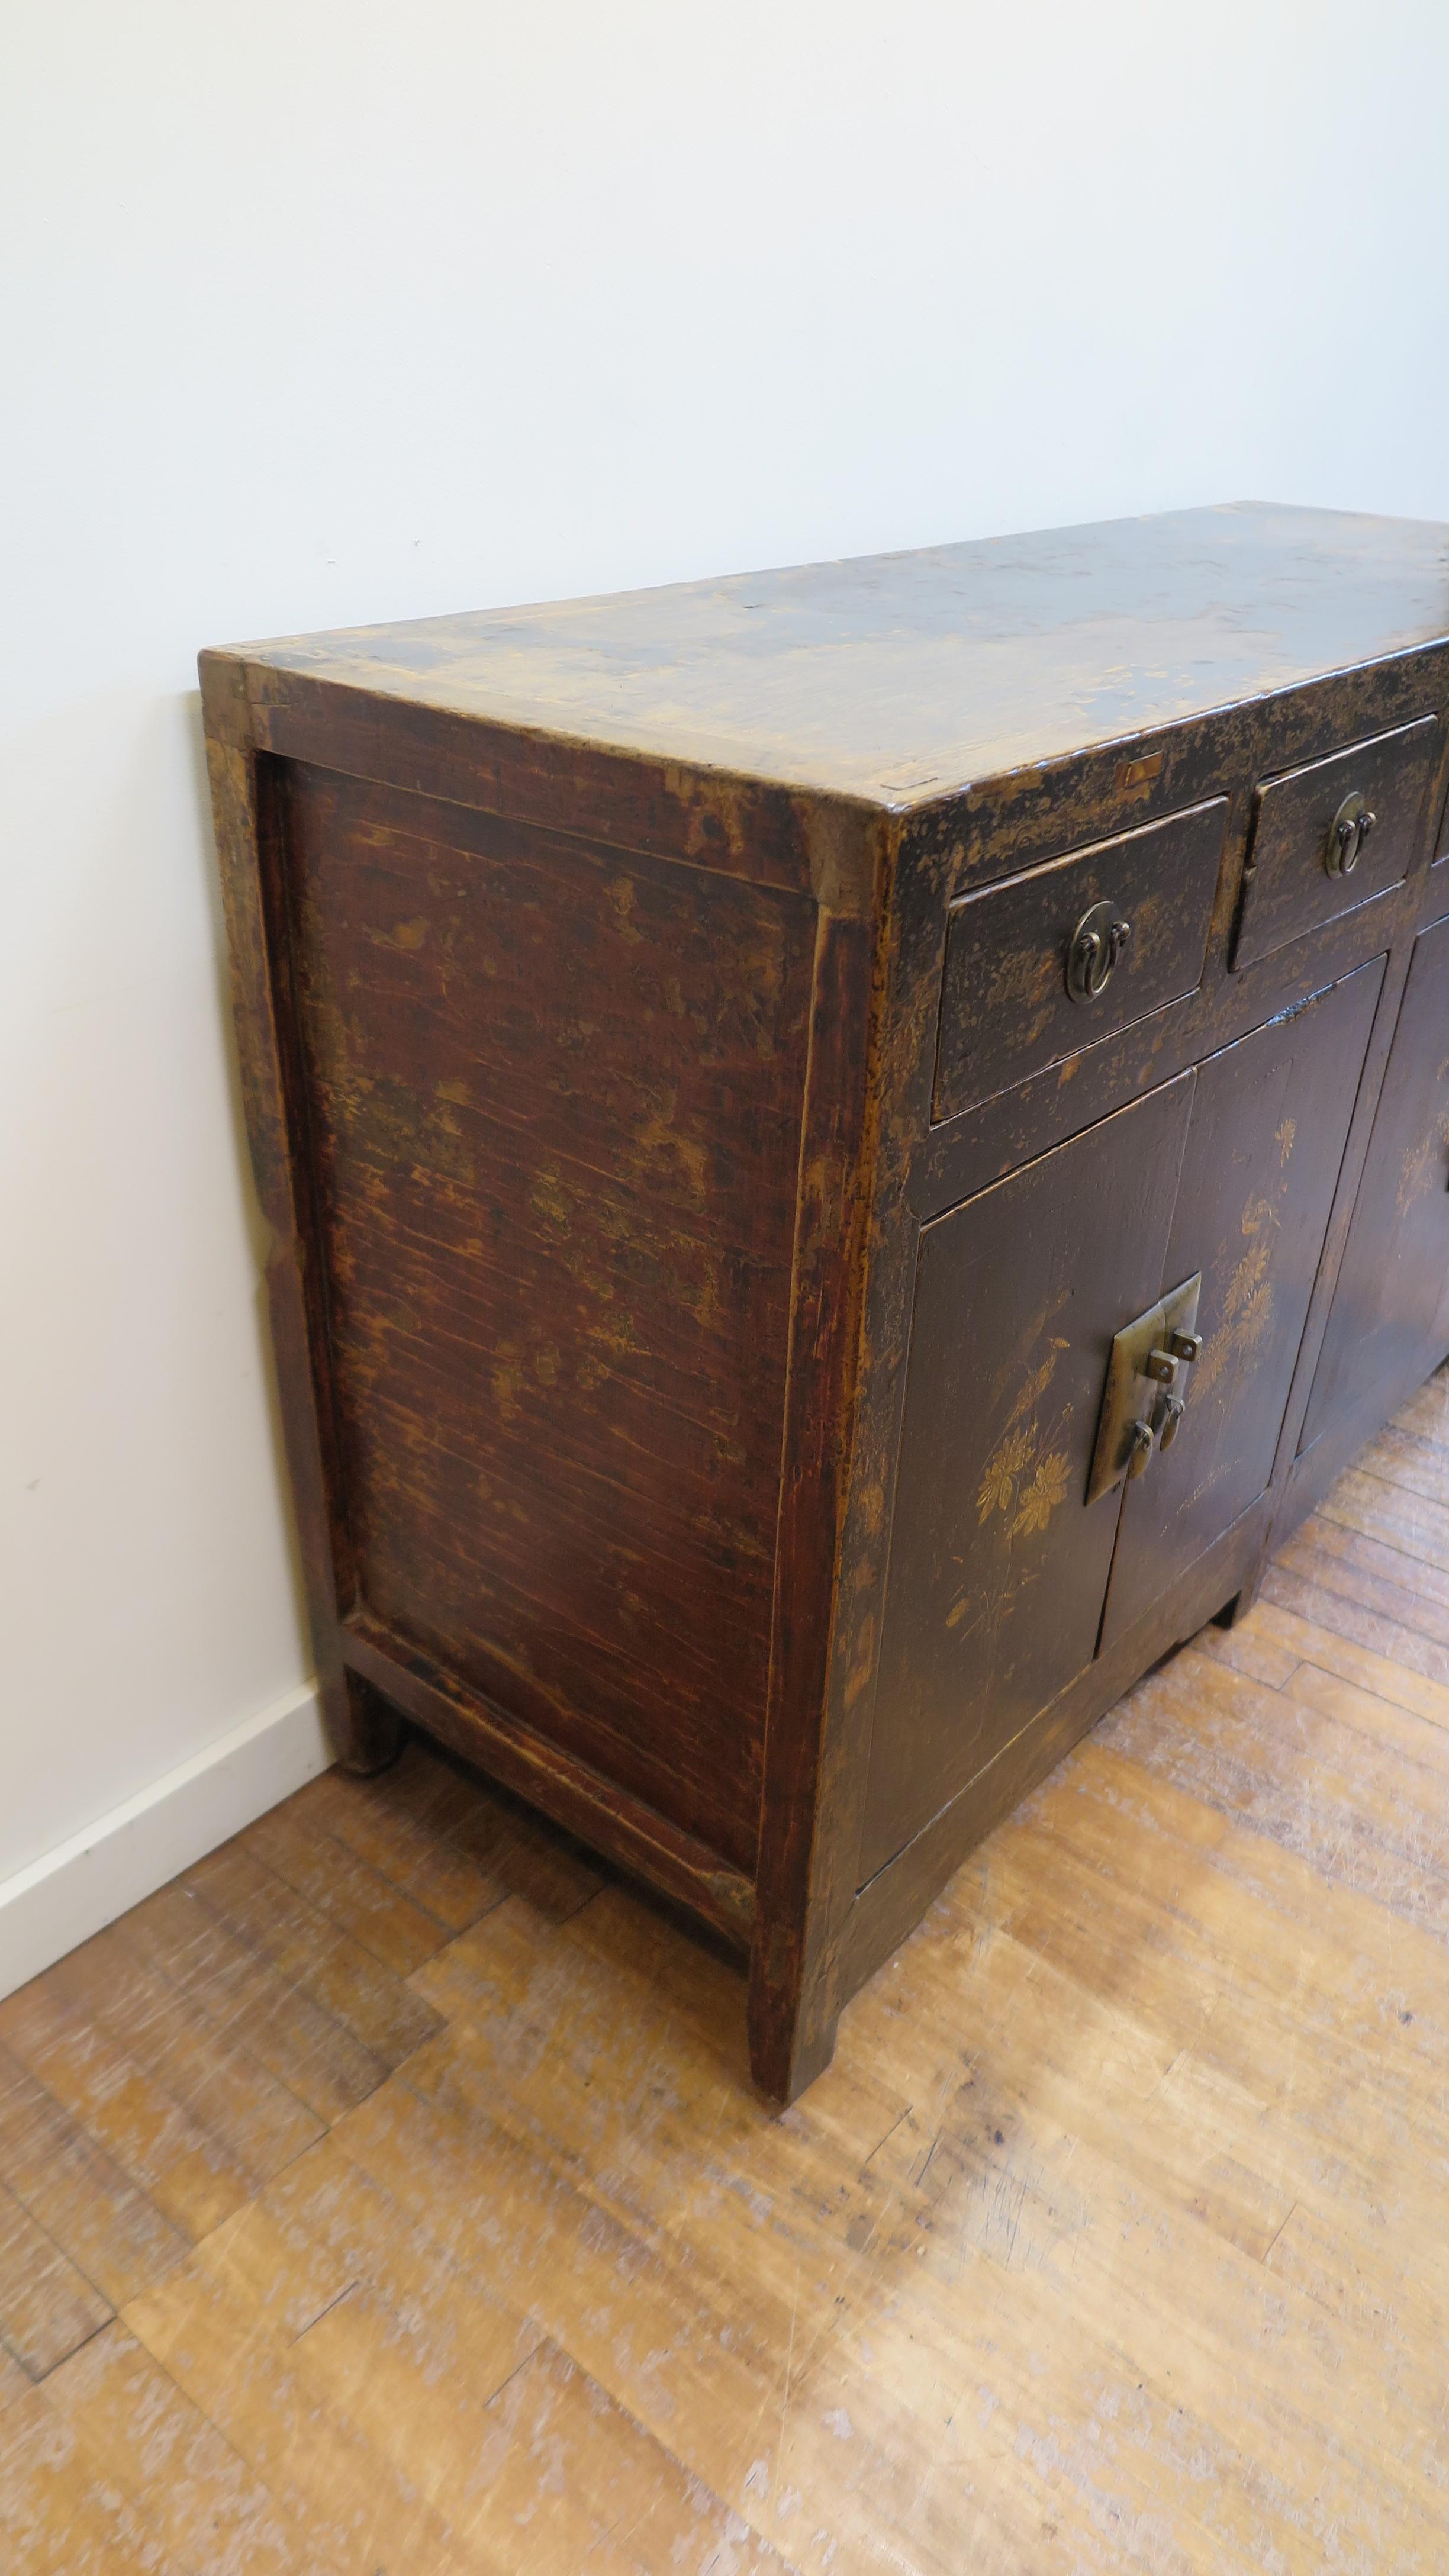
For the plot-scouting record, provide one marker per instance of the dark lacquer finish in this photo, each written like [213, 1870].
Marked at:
[1269, 1121]
[726, 1066]
[1390, 1316]
[554, 1105]
[1328, 836]
[1131, 917]
[998, 1574]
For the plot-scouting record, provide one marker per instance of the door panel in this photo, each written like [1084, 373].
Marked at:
[998, 1567]
[1269, 1122]
[1389, 1323]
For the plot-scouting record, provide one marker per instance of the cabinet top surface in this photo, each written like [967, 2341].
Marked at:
[898, 677]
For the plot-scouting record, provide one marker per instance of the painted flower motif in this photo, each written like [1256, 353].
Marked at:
[1040, 1498]
[1252, 1323]
[998, 1482]
[1247, 1278]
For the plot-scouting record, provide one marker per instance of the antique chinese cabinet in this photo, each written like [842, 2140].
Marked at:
[844, 1148]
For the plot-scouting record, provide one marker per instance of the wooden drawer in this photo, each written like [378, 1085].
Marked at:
[1289, 883]
[1006, 1007]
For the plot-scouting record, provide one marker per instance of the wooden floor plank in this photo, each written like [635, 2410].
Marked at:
[642, 2163]
[110, 2230]
[705, 2381]
[314, 1956]
[139, 2438]
[1364, 1570]
[1427, 1410]
[1335, 1653]
[14, 2381]
[354, 2509]
[1390, 1513]
[1387, 1729]
[1247, 1650]
[402, 1829]
[591, 2489]
[1012, 2164]
[187, 2174]
[229, 2092]
[47, 2307]
[1112, 2239]
[326, 2067]
[800, 2290]
[353, 1898]
[417, 2353]
[1404, 1457]
[55, 2519]
[1348, 2062]
[516, 1851]
[1295, 1771]
[1358, 1621]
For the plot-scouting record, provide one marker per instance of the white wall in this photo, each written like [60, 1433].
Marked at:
[316, 313]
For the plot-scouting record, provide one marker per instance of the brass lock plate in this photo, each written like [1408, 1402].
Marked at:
[1133, 1389]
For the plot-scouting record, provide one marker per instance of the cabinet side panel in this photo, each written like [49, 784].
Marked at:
[554, 1099]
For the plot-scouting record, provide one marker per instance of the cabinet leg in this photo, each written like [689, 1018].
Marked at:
[792, 2031]
[364, 1730]
[1242, 1601]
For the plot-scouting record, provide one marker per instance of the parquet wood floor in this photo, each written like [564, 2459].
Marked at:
[385, 2198]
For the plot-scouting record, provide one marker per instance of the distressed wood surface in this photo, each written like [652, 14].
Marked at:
[1269, 1122]
[998, 1571]
[1286, 888]
[900, 677]
[1394, 1281]
[1006, 1013]
[554, 1099]
[384, 2198]
[626, 990]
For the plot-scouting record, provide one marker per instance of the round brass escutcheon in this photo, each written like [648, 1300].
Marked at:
[1347, 834]
[1093, 950]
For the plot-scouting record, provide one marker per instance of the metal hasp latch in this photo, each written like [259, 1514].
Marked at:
[1146, 1387]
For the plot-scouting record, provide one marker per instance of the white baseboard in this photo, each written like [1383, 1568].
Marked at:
[59, 1900]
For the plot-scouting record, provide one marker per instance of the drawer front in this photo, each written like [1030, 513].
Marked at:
[1315, 854]
[1008, 1008]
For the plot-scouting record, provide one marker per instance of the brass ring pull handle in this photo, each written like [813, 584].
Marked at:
[1095, 946]
[1347, 834]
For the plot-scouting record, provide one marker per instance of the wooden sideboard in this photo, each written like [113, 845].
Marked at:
[845, 1149]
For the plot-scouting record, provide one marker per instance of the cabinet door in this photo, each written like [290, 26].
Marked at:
[1388, 1325]
[1270, 1119]
[998, 1568]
